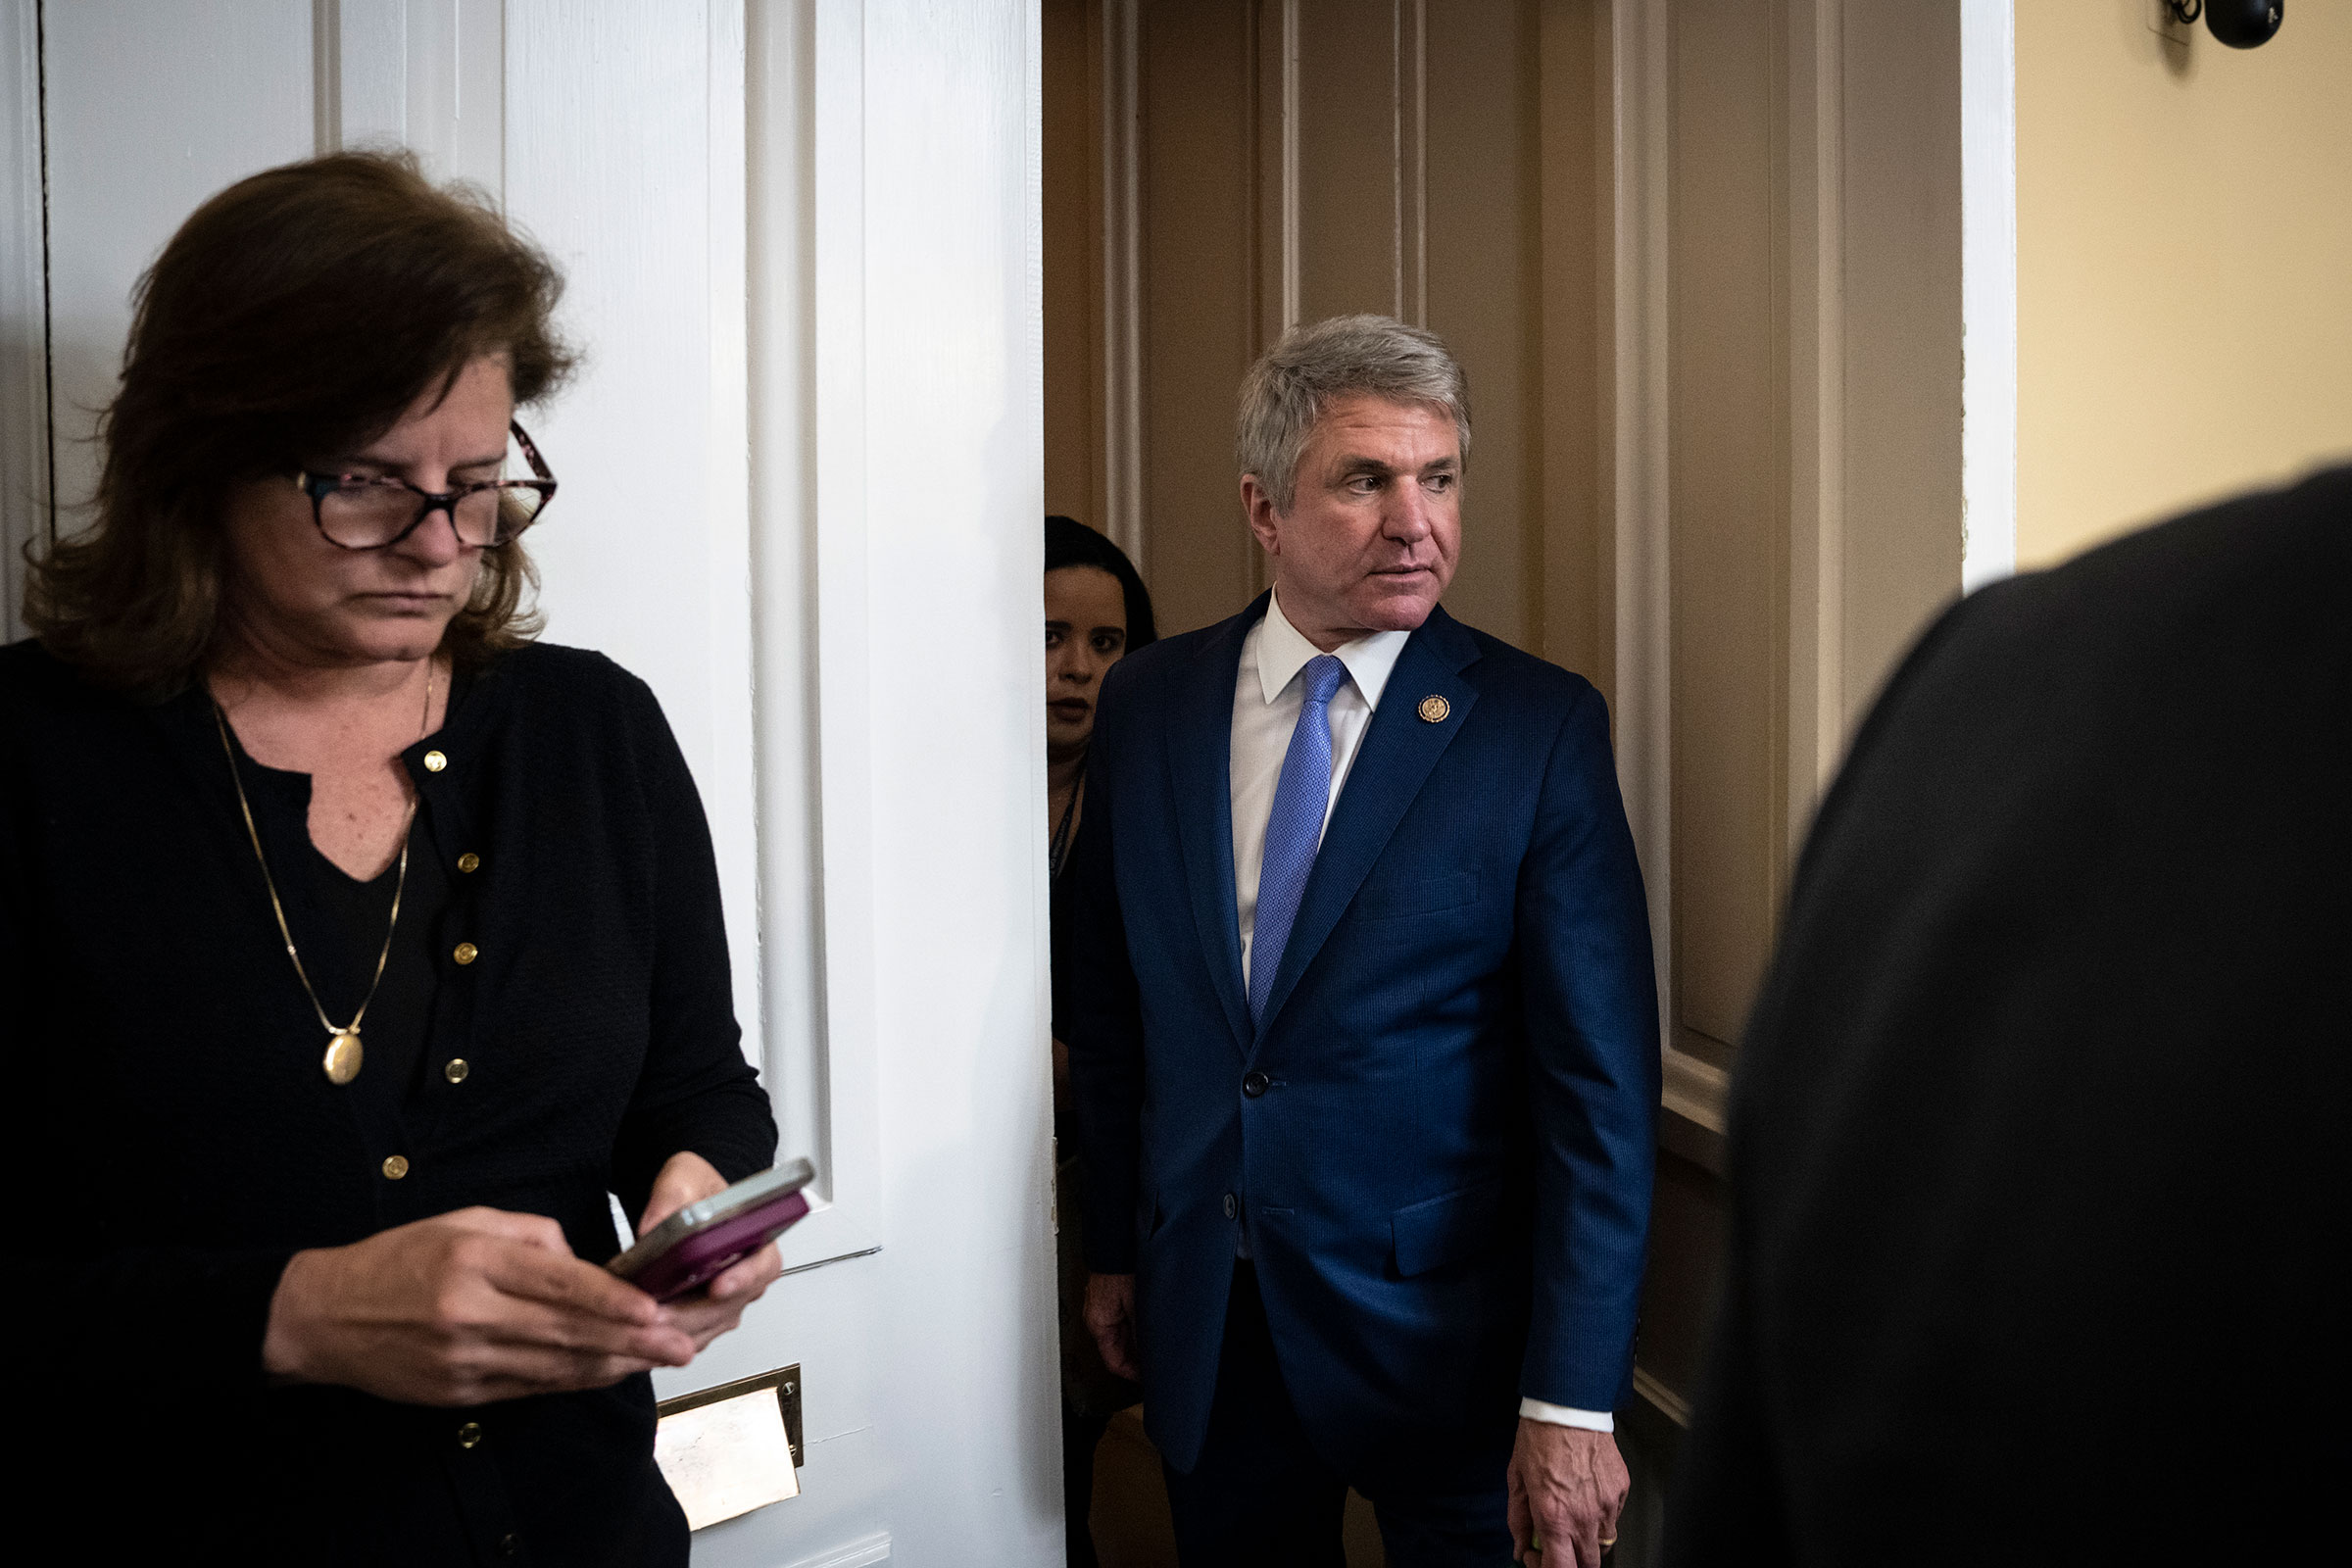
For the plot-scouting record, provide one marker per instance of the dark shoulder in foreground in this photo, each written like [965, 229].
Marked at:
[2236, 615]
[2240, 576]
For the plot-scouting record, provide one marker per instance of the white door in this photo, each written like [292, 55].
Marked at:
[802, 486]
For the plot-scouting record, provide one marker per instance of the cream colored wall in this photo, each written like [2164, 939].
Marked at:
[1433, 160]
[2184, 264]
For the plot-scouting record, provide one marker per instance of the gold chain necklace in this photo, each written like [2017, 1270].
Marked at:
[344, 1055]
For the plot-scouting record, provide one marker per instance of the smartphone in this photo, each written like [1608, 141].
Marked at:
[698, 1243]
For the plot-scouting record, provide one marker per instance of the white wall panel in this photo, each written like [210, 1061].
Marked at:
[897, 357]
[644, 554]
[153, 106]
[426, 74]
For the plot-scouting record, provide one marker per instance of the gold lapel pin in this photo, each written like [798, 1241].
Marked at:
[1434, 709]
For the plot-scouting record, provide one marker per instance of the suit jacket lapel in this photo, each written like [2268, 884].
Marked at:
[1200, 739]
[1398, 749]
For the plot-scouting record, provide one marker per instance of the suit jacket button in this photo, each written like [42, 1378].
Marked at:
[1230, 1205]
[1256, 1084]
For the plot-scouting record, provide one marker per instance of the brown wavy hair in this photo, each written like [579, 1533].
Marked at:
[302, 311]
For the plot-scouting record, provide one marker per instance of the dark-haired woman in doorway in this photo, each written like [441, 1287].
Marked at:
[1097, 613]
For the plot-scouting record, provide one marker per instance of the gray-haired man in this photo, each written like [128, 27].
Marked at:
[1364, 1036]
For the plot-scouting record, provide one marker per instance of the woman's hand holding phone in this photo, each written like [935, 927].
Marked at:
[478, 1305]
[717, 1308]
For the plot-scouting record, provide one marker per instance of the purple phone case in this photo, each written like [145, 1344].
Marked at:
[704, 1256]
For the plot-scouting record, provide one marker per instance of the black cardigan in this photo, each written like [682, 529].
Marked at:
[168, 1139]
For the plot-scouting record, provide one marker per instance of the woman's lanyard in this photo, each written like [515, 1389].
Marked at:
[1060, 853]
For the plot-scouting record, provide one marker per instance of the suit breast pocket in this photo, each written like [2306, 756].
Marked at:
[1407, 948]
[1428, 895]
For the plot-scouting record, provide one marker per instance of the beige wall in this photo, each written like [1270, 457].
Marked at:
[2184, 264]
[1443, 162]
[1070, 201]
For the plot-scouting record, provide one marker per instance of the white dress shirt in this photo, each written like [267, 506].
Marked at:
[1268, 696]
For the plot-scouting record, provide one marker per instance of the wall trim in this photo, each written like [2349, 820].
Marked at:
[1640, 127]
[426, 74]
[1691, 1113]
[864, 1553]
[26, 501]
[1287, 241]
[1409, 135]
[731, 792]
[1696, 1088]
[1816, 670]
[1987, 291]
[1839, 260]
[326, 75]
[828, 432]
[1661, 1399]
[1123, 281]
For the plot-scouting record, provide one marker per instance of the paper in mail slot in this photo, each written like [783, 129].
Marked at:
[727, 1459]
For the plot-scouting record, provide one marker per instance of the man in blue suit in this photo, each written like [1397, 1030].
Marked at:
[1365, 1041]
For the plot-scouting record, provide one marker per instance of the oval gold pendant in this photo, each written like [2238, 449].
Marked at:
[343, 1056]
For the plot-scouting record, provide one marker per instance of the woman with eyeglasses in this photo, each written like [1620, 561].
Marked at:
[353, 946]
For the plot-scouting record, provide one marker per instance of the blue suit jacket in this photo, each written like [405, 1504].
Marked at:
[1447, 1180]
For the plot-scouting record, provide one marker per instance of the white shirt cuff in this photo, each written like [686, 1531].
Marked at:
[1561, 1415]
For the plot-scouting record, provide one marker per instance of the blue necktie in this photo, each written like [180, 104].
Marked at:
[1295, 828]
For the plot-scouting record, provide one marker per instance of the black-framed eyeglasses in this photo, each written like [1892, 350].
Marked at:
[368, 512]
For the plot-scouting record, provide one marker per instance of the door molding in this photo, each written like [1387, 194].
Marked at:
[1885, 418]
[1123, 281]
[27, 504]
[1988, 273]
[1639, 350]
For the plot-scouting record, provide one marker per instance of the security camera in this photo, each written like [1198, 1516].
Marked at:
[2240, 23]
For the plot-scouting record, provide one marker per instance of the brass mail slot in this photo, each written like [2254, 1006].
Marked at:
[729, 1450]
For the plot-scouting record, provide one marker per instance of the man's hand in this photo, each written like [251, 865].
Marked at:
[717, 1308]
[1567, 1487]
[1110, 1317]
[463, 1308]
